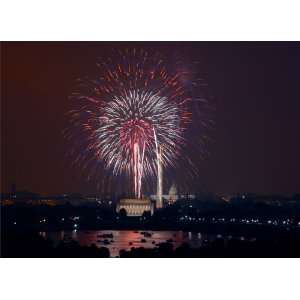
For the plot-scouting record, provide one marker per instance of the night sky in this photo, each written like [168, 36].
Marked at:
[255, 87]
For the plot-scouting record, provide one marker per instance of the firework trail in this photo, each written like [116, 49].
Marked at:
[133, 116]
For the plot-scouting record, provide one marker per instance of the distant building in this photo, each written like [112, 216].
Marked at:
[172, 194]
[174, 197]
[135, 207]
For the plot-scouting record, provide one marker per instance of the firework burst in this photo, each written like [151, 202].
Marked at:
[133, 116]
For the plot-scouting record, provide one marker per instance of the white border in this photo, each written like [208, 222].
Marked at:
[153, 278]
[160, 20]
[149, 279]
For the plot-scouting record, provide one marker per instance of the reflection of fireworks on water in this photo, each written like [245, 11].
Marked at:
[133, 117]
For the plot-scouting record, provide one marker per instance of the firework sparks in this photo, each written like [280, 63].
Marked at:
[133, 116]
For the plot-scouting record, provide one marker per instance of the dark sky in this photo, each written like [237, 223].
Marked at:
[256, 87]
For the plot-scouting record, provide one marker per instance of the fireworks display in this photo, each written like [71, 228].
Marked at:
[132, 118]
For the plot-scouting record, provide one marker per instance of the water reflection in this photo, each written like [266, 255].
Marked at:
[116, 240]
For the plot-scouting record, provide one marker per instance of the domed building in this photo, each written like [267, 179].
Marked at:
[172, 197]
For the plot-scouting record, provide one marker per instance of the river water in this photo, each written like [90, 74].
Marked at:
[126, 239]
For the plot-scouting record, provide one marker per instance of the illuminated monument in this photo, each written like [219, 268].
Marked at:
[159, 200]
[172, 197]
[135, 207]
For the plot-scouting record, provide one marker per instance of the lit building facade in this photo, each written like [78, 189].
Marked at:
[135, 207]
